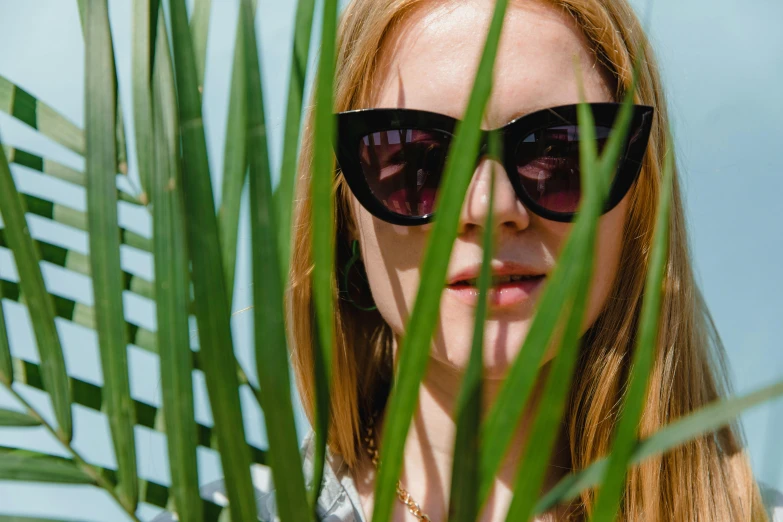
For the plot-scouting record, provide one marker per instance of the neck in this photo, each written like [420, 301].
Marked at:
[429, 446]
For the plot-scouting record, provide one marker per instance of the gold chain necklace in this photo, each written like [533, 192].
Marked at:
[402, 493]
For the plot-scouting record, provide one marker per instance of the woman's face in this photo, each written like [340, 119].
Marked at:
[430, 65]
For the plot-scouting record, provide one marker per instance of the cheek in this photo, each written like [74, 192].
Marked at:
[391, 256]
[609, 244]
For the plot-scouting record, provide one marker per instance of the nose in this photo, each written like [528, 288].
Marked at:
[508, 212]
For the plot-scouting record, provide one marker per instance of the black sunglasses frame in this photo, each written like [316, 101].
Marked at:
[352, 126]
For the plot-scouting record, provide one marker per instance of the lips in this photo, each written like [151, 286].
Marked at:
[512, 270]
[512, 284]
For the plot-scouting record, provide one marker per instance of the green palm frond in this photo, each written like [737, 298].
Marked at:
[28, 109]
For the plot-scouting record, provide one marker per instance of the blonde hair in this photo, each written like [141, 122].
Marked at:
[707, 479]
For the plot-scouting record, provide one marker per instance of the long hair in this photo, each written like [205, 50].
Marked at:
[707, 479]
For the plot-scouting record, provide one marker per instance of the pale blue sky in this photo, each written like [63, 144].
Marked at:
[722, 65]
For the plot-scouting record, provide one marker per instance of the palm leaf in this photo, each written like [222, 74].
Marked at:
[269, 319]
[323, 238]
[143, 23]
[172, 288]
[211, 298]
[39, 303]
[90, 395]
[77, 219]
[415, 348]
[17, 419]
[26, 108]
[293, 118]
[234, 163]
[6, 363]
[122, 152]
[57, 170]
[29, 466]
[101, 162]
[633, 403]
[199, 26]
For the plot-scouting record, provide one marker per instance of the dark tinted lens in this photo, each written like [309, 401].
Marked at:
[403, 168]
[548, 166]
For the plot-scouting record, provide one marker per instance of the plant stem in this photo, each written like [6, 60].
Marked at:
[87, 468]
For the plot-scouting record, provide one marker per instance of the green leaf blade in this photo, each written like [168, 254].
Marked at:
[172, 290]
[142, 22]
[17, 419]
[625, 435]
[323, 238]
[6, 362]
[415, 349]
[284, 194]
[199, 24]
[463, 497]
[101, 164]
[25, 107]
[211, 298]
[706, 420]
[28, 466]
[269, 318]
[234, 162]
[39, 302]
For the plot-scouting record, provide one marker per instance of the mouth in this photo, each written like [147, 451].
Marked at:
[505, 291]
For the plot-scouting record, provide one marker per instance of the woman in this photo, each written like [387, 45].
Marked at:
[421, 55]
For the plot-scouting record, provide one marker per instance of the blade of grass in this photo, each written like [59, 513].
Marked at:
[172, 289]
[144, 11]
[463, 497]
[323, 237]
[624, 442]
[685, 429]
[544, 433]
[39, 303]
[234, 162]
[199, 26]
[505, 413]
[101, 161]
[25, 107]
[293, 120]
[211, 298]
[269, 318]
[415, 349]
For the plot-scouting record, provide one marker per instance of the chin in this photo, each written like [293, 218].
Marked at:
[503, 340]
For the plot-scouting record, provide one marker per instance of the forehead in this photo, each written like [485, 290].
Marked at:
[429, 63]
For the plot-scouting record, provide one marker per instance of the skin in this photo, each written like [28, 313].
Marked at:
[429, 64]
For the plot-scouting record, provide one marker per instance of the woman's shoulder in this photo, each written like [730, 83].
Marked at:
[337, 502]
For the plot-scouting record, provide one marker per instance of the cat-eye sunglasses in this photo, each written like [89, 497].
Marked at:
[393, 159]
